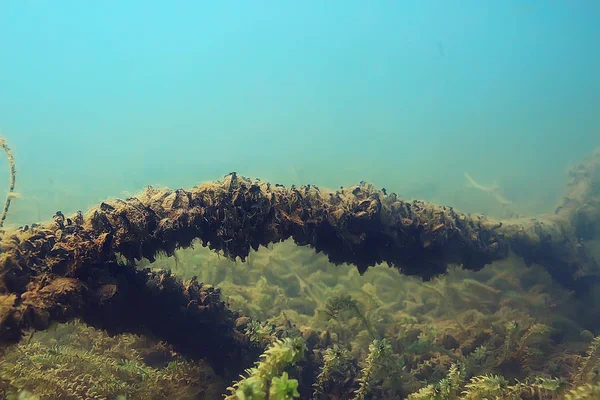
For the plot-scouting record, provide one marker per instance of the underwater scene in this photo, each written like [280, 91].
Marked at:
[320, 200]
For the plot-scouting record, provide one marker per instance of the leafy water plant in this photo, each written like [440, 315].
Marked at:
[283, 388]
[379, 350]
[447, 389]
[583, 383]
[339, 304]
[259, 379]
[338, 367]
[75, 361]
[589, 366]
[584, 392]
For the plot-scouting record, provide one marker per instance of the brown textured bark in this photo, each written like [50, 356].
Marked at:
[70, 267]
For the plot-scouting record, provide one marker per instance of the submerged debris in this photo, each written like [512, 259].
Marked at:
[61, 270]
[84, 266]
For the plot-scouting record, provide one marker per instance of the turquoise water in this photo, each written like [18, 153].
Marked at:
[99, 99]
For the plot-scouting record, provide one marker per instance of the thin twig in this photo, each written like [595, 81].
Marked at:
[493, 191]
[13, 174]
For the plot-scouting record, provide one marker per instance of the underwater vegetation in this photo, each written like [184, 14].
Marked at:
[73, 360]
[506, 330]
[392, 336]
[161, 308]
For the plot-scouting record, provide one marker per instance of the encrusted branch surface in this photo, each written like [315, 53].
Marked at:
[558, 241]
[189, 315]
[62, 269]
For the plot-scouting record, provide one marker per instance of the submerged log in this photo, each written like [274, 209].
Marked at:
[189, 315]
[71, 267]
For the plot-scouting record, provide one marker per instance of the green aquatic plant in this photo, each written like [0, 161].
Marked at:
[22, 395]
[337, 368]
[488, 387]
[277, 356]
[336, 305]
[497, 387]
[584, 392]
[251, 388]
[75, 361]
[447, 294]
[283, 388]
[447, 389]
[589, 365]
[379, 350]
[479, 360]
[261, 333]
[524, 345]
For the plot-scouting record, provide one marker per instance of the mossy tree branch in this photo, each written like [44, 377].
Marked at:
[54, 271]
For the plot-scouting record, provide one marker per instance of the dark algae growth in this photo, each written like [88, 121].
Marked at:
[142, 298]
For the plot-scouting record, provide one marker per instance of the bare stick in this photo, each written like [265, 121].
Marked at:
[11, 186]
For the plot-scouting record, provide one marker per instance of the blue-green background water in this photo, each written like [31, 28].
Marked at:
[102, 98]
